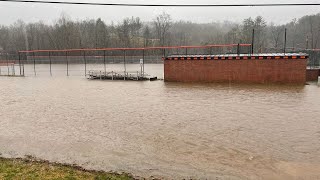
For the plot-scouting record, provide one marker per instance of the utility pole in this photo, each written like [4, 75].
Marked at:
[285, 41]
[252, 43]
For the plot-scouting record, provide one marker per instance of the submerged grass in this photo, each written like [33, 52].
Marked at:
[30, 168]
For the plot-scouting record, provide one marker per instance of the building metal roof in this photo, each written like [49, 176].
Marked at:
[239, 56]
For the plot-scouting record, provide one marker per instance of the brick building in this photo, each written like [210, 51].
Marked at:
[255, 68]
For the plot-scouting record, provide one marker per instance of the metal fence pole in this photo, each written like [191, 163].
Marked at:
[314, 61]
[19, 63]
[23, 66]
[124, 63]
[34, 65]
[13, 70]
[8, 64]
[285, 41]
[143, 62]
[104, 62]
[50, 63]
[67, 63]
[252, 43]
[23, 69]
[85, 63]
[238, 49]
[318, 61]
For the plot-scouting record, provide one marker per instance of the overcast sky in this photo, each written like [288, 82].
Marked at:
[10, 11]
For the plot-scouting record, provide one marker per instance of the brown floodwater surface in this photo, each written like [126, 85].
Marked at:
[167, 130]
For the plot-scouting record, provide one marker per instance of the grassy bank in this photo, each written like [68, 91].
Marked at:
[29, 168]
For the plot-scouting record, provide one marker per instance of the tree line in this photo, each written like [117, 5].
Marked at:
[64, 33]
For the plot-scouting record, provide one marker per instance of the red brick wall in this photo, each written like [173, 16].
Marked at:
[312, 74]
[251, 71]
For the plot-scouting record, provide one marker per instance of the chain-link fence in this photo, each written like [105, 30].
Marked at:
[69, 61]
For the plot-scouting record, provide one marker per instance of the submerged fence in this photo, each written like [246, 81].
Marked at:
[11, 65]
[104, 56]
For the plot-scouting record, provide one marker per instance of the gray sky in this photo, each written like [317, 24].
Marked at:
[10, 12]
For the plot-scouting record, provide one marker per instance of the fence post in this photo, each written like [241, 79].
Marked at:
[7, 63]
[285, 41]
[19, 63]
[238, 49]
[85, 63]
[67, 63]
[314, 61]
[143, 62]
[50, 63]
[23, 62]
[124, 63]
[104, 61]
[13, 70]
[34, 64]
[252, 43]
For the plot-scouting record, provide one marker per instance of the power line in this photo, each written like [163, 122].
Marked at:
[162, 5]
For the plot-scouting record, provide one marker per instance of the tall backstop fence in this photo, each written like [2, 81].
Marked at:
[104, 56]
[81, 61]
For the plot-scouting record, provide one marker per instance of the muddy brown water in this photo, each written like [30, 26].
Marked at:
[167, 130]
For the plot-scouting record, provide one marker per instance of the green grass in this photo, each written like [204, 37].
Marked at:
[30, 168]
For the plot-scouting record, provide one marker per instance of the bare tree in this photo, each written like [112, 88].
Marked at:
[4, 37]
[247, 26]
[311, 31]
[260, 33]
[123, 32]
[132, 32]
[101, 34]
[146, 36]
[276, 32]
[162, 24]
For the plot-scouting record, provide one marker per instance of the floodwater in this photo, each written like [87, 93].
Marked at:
[159, 129]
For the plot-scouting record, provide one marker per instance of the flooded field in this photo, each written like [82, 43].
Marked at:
[167, 130]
